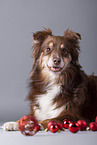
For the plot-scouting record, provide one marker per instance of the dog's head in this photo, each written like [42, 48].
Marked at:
[55, 53]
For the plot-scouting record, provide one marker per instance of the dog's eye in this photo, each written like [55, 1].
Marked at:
[64, 50]
[48, 49]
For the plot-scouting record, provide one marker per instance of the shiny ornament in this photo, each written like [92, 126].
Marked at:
[54, 128]
[28, 125]
[93, 126]
[73, 127]
[51, 123]
[82, 124]
[66, 123]
[60, 126]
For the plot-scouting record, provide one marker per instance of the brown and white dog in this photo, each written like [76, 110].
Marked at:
[59, 88]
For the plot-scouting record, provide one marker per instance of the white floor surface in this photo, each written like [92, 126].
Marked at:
[48, 138]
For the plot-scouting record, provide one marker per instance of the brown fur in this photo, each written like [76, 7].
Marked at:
[78, 90]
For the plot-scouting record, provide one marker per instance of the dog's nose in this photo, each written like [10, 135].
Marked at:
[57, 61]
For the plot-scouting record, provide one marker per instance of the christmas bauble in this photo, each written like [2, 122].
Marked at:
[54, 128]
[28, 125]
[66, 123]
[73, 127]
[93, 126]
[82, 124]
[51, 123]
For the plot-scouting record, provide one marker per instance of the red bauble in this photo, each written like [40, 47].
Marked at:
[54, 128]
[73, 127]
[93, 126]
[51, 123]
[37, 128]
[96, 119]
[60, 126]
[82, 124]
[28, 125]
[66, 123]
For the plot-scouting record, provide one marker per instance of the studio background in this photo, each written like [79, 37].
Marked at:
[18, 19]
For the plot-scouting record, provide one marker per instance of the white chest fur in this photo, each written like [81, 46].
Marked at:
[46, 108]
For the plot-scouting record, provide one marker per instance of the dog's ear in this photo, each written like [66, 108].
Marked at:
[70, 34]
[38, 39]
[40, 36]
[73, 38]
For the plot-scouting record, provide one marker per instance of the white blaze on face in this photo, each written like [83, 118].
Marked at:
[50, 62]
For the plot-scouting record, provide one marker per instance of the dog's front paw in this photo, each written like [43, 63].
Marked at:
[10, 126]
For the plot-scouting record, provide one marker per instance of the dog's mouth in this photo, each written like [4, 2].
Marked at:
[54, 68]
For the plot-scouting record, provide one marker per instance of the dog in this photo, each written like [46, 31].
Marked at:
[58, 86]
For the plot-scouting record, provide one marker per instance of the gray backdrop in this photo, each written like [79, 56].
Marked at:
[18, 19]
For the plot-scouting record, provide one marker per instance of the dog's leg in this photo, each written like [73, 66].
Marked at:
[11, 126]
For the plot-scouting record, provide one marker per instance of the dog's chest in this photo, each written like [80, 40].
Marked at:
[46, 107]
